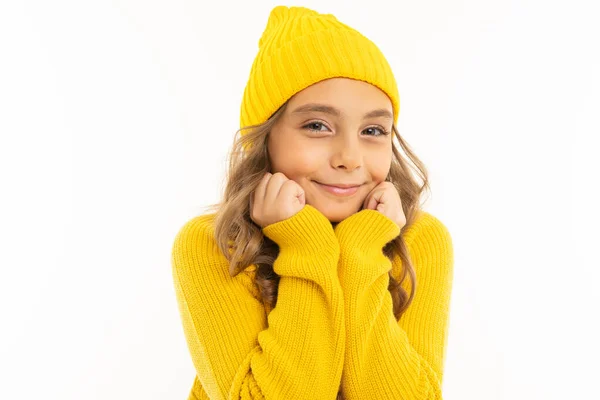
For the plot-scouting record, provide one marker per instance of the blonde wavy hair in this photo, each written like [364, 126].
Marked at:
[243, 243]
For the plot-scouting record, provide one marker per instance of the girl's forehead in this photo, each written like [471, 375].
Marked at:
[338, 96]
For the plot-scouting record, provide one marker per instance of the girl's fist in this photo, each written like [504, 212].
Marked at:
[276, 198]
[385, 199]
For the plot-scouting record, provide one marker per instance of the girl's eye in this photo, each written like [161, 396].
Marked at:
[383, 131]
[312, 124]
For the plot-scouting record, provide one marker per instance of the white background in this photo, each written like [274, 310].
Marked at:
[115, 122]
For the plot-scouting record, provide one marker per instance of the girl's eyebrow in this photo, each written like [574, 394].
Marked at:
[324, 108]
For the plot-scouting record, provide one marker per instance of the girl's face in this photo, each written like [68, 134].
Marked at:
[337, 131]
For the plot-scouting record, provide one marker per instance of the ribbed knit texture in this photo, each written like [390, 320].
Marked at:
[333, 321]
[300, 47]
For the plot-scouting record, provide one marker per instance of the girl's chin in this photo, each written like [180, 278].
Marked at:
[337, 213]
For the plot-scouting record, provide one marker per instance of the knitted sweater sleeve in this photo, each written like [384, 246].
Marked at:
[296, 352]
[384, 358]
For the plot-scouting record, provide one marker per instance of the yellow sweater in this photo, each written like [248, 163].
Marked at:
[333, 321]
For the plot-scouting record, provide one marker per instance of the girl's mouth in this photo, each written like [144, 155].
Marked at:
[338, 191]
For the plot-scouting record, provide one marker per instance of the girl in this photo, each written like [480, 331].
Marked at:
[317, 274]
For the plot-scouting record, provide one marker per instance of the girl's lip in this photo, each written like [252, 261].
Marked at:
[338, 190]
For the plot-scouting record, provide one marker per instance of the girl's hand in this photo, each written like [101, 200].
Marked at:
[385, 199]
[276, 198]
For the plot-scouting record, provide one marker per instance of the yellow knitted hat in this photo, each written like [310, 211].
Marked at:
[300, 47]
